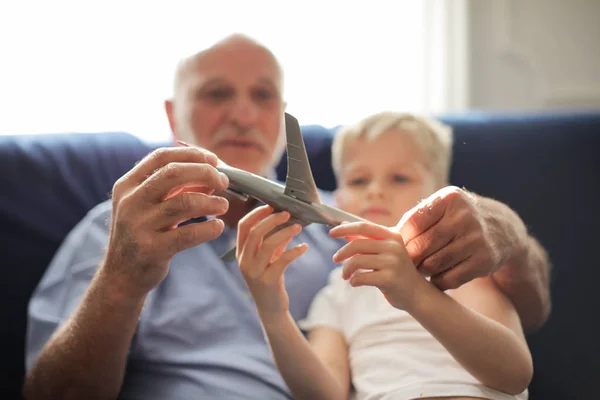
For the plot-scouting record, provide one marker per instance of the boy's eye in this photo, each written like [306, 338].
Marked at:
[400, 178]
[357, 181]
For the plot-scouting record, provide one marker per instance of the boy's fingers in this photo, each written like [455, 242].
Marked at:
[248, 264]
[248, 221]
[280, 249]
[257, 232]
[358, 262]
[273, 242]
[361, 229]
[277, 269]
[367, 278]
[358, 246]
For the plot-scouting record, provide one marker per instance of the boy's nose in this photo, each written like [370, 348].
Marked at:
[243, 112]
[375, 190]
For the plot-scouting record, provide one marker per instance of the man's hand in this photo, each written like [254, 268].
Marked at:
[263, 261]
[377, 257]
[169, 186]
[449, 238]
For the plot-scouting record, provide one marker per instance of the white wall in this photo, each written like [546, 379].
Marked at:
[534, 54]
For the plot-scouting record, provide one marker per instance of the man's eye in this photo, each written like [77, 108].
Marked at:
[218, 94]
[262, 94]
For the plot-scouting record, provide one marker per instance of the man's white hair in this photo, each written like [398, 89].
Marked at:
[185, 64]
[433, 137]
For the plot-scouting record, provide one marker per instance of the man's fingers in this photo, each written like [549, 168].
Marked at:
[190, 189]
[168, 179]
[447, 257]
[276, 269]
[168, 214]
[248, 221]
[191, 235]
[161, 157]
[430, 241]
[457, 276]
[361, 229]
[421, 217]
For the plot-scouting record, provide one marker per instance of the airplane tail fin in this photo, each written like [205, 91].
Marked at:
[299, 182]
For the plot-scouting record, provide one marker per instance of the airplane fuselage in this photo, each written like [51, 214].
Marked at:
[272, 193]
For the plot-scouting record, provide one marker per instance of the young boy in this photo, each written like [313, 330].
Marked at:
[380, 330]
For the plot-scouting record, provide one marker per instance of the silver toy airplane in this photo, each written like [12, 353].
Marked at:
[299, 196]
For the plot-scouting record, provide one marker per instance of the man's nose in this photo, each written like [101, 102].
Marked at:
[243, 111]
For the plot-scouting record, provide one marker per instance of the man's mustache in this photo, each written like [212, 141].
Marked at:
[232, 132]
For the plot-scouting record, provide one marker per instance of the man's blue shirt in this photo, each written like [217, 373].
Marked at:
[199, 335]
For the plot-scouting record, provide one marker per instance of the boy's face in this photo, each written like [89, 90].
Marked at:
[383, 178]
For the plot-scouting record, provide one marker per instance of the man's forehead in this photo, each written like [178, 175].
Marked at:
[230, 61]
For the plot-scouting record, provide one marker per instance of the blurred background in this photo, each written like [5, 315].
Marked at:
[82, 66]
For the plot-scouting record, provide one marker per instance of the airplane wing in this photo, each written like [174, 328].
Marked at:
[299, 182]
[230, 255]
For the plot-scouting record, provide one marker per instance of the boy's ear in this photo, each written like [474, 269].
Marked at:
[337, 196]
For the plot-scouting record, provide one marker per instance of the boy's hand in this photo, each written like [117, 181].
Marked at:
[263, 261]
[377, 257]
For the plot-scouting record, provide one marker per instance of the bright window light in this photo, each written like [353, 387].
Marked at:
[81, 66]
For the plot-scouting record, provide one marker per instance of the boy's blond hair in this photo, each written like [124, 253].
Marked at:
[433, 137]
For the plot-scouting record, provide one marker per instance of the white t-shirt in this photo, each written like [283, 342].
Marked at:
[391, 355]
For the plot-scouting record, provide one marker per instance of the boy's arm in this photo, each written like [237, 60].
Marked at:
[315, 370]
[480, 327]
[262, 261]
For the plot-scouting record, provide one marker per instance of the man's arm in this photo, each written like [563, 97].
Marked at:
[86, 357]
[455, 236]
[525, 275]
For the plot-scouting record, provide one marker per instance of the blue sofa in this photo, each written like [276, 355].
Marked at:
[545, 166]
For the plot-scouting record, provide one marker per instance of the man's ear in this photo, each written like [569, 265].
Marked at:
[169, 111]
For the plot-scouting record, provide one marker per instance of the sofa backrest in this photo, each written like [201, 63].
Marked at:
[544, 166]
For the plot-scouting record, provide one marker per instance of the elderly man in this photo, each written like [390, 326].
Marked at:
[142, 307]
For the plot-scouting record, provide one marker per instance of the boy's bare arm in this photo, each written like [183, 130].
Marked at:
[315, 370]
[482, 331]
[262, 261]
[479, 326]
